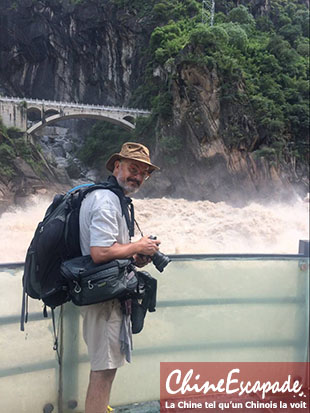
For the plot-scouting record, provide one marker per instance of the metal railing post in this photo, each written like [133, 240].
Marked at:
[304, 248]
[70, 355]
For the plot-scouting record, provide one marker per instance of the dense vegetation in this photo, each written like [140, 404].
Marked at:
[261, 57]
[12, 145]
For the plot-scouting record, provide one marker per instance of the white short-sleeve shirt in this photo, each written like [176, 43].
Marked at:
[101, 221]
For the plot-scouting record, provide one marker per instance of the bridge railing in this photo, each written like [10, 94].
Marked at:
[75, 105]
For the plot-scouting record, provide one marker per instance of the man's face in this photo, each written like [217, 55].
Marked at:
[130, 175]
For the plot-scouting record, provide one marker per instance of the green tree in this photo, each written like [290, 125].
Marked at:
[237, 36]
[214, 37]
[241, 15]
[291, 32]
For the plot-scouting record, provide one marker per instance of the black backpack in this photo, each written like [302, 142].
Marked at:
[56, 239]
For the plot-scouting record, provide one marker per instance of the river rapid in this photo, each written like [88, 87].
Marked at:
[183, 226]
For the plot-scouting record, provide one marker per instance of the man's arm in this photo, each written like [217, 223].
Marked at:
[144, 246]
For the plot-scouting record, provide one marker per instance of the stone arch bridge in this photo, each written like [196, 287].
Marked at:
[30, 115]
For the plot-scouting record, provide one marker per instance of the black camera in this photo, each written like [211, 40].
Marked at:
[159, 259]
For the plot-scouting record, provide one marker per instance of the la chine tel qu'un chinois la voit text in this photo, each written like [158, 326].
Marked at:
[185, 404]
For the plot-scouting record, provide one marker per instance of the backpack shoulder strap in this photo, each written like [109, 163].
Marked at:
[112, 185]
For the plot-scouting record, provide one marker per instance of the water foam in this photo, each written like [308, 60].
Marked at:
[183, 226]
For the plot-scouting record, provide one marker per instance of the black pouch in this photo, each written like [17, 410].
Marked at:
[138, 313]
[91, 283]
[145, 301]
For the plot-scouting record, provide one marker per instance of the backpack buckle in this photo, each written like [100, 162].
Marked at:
[77, 288]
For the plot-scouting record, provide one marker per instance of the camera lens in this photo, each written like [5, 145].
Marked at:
[160, 261]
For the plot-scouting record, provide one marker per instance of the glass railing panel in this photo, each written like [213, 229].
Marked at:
[208, 310]
[232, 310]
[29, 374]
[229, 303]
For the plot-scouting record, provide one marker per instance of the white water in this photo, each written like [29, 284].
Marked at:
[183, 226]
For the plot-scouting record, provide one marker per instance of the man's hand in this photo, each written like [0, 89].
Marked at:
[147, 246]
[144, 246]
[141, 260]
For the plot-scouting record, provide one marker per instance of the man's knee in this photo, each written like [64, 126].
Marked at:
[103, 376]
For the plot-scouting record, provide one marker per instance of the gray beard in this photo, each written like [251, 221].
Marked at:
[128, 190]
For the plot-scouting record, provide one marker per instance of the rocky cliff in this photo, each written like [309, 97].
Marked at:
[57, 50]
[204, 165]
[97, 52]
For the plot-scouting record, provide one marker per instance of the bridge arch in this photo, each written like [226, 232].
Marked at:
[34, 114]
[122, 122]
[129, 118]
[50, 112]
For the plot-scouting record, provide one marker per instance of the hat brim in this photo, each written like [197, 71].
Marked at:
[116, 156]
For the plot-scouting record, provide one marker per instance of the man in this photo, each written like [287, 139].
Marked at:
[104, 234]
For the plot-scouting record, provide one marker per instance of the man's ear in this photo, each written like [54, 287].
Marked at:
[116, 165]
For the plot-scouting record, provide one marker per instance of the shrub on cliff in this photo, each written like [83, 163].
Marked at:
[7, 153]
[13, 145]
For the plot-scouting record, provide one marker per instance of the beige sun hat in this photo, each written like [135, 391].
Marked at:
[134, 151]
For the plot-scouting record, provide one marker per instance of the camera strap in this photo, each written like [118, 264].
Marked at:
[138, 228]
[126, 205]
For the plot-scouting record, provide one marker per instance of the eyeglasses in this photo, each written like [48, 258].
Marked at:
[134, 170]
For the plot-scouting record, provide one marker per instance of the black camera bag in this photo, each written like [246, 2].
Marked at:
[90, 283]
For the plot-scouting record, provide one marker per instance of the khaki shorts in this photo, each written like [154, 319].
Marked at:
[101, 330]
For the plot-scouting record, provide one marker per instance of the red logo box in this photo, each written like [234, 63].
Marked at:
[234, 387]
